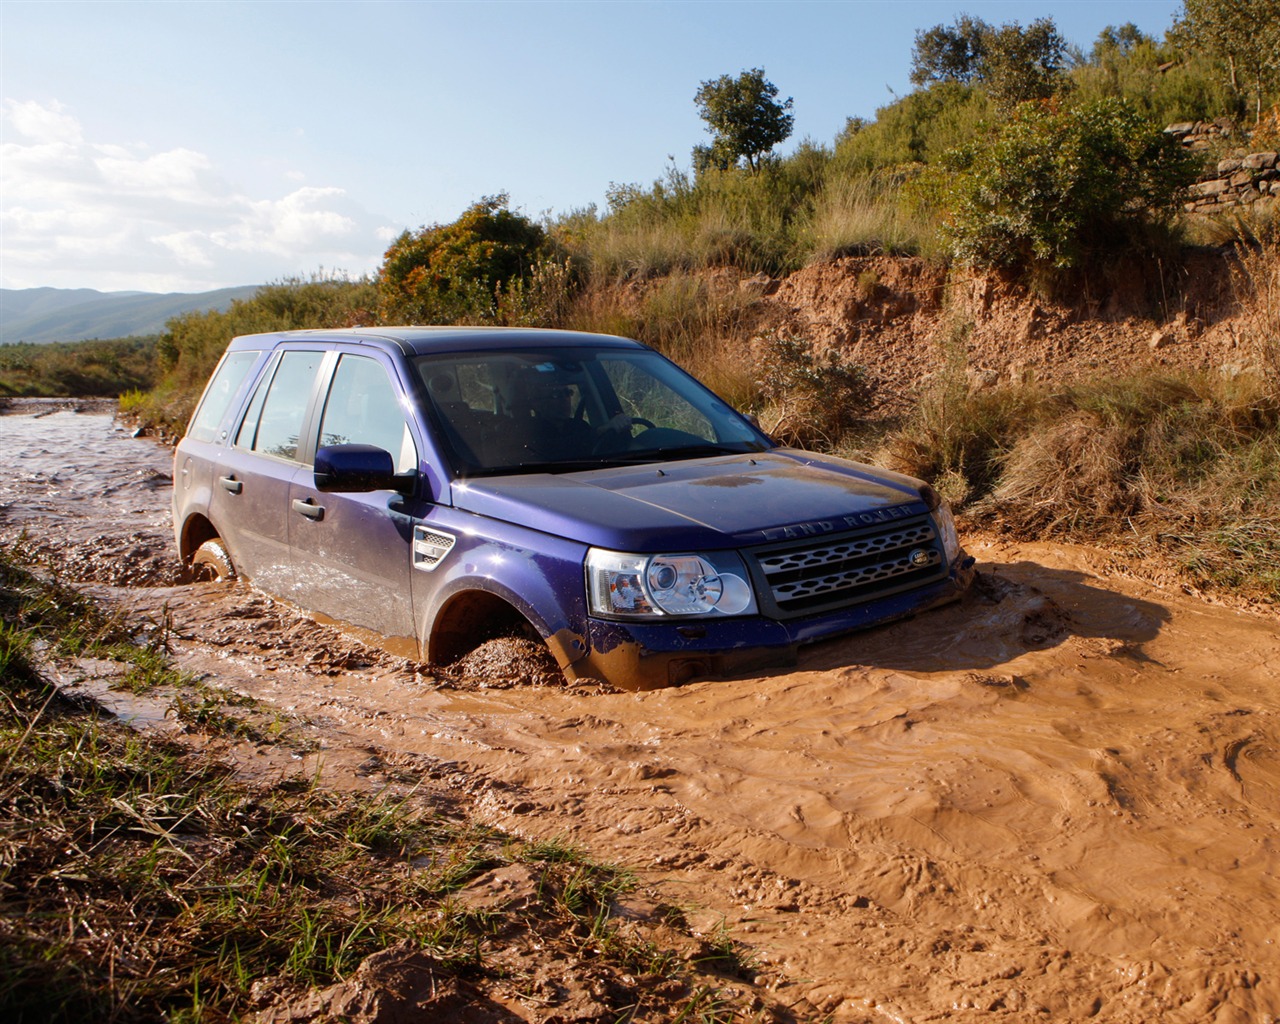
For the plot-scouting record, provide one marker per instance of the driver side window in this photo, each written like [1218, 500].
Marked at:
[362, 407]
[647, 398]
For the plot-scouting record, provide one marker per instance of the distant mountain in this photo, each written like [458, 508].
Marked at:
[42, 315]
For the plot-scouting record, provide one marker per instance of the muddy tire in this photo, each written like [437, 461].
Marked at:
[211, 562]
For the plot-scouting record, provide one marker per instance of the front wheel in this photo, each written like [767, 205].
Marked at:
[211, 562]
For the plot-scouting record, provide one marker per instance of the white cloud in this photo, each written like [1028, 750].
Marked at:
[42, 123]
[78, 213]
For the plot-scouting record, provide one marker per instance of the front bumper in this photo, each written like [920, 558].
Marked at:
[644, 656]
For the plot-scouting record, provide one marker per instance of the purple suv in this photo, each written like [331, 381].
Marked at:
[447, 485]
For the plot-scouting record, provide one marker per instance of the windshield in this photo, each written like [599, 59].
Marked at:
[558, 410]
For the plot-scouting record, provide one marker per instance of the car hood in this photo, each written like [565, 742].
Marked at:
[719, 502]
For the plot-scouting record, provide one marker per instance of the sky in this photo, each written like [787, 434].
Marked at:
[182, 146]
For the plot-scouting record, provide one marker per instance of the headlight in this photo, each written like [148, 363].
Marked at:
[947, 531]
[944, 521]
[626, 586]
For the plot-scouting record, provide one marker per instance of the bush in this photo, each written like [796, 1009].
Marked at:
[810, 400]
[81, 369]
[1186, 465]
[917, 129]
[1162, 81]
[1256, 283]
[721, 217]
[863, 215]
[451, 273]
[1058, 185]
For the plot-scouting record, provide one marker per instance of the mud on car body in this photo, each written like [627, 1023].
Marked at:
[443, 486]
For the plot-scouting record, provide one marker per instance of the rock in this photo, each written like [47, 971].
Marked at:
[1161, 338]
[1022, 371]
[981, 380]
[1259, 161]
[1228, 165]
[398, 985]
[1187, 327]
[1213, 187]
[760, 284]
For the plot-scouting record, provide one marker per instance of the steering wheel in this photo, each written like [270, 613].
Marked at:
[616, 428]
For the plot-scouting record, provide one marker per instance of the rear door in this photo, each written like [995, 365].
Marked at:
[250, 497]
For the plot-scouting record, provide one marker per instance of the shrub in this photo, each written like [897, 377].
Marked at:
[918, 128]
[1187, 465]
[723, 217]
[1161, 80]
[80, 369]
[450, 273]
[811, 400]
[1056, 185]
[1256, 283]
[862, 215]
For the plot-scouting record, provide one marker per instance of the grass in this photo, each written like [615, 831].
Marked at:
[863, 215]
[141, 880]
[1185, 468]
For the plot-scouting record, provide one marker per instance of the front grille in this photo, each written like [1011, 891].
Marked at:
[821, 574]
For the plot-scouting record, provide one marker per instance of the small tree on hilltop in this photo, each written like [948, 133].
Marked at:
[949, 53]
[745, 118]
[1012, 63]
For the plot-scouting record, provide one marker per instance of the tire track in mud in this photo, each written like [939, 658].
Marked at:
[1058, 798]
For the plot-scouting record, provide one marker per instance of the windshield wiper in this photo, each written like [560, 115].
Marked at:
[615, 459]
[692, 451]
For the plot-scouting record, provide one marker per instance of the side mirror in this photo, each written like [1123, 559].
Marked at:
[355, 467]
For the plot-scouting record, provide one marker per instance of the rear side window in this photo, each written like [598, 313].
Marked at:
[273, 424]
[218, 395]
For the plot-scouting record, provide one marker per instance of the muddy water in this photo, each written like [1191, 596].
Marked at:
[1057, 800]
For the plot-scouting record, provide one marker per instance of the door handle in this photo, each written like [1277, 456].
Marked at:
[308, 508]
[230, 483]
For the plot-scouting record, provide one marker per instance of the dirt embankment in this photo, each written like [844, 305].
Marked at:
[906, 320]
[1057, 800]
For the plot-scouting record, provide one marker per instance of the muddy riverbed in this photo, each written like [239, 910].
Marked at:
[1058, 800]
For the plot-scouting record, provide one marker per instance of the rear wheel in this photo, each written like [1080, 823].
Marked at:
[211, 562]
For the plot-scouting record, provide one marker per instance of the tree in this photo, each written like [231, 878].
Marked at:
[1012, 63]
[1122, 41]
[949, 54]
[1245, 36]
[744, 117]
[450, 272]
[1020, 64]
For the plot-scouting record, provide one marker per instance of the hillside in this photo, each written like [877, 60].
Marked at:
[43, 315]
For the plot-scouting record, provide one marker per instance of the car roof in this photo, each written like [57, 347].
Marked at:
[424, 340]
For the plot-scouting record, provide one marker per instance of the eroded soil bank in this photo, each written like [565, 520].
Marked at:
[1057, 800]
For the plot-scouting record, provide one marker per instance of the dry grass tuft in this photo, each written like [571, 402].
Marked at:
[1256, 282]
[1076, 474]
